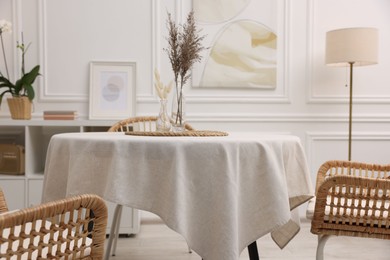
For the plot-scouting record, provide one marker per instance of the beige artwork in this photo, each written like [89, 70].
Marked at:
[243, 55]
[242, 51]
[216, 11]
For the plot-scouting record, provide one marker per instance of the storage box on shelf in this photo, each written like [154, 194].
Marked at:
[25, 190]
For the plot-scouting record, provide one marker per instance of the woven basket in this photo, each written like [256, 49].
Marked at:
[20, 107]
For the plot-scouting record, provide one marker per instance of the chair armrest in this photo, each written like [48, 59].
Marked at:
[3, 203]
[357, 169]
[356, 201]
[72, 227]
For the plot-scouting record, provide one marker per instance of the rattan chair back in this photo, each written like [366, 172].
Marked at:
[3, 203]
[352, 199]
[71, 228]
[142, 124]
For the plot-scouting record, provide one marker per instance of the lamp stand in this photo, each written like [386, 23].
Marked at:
[353, 47]
[350, 110]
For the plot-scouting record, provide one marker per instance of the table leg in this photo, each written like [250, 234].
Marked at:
[118, 223]
[253, 253]
[112, 235]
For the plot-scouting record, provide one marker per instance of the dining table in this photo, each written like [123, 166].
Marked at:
[221, 193]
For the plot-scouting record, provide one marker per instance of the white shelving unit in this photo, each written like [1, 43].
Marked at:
[26, 190]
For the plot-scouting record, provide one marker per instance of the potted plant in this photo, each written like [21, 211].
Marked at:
[22, 91]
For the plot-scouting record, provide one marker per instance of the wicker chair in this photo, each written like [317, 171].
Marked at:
[144, 124]
[71, 228]
[352, 199]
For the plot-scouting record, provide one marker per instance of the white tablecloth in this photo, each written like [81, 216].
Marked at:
[219, 193]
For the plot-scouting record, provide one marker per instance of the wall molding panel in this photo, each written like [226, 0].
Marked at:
[45, 94]
[366, 147]
[48, 95]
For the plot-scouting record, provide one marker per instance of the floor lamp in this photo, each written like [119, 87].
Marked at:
[351, 47]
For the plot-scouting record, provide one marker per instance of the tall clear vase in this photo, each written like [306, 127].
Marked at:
[163, 119]
[178, 112]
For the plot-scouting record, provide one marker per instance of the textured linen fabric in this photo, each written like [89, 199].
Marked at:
[219, 193]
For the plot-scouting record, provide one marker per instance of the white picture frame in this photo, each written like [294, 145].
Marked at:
[112, 90]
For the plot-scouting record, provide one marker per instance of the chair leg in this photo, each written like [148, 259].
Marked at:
[320, 247]
[112, 236]
[189, 249]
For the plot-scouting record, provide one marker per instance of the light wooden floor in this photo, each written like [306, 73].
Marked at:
[157, 241]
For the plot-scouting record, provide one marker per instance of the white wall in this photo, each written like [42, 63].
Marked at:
[67, 34]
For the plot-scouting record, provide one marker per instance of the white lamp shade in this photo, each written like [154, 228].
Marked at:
[352, 45]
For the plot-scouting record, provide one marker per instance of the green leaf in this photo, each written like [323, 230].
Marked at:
[5, 83]
[2, 85]
[18, 85]
[22, 86]
[2, 94]
[30, 77]
[5, 80]
[30, 91]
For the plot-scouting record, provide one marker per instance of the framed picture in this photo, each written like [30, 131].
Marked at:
[245, 44]
[112, 90]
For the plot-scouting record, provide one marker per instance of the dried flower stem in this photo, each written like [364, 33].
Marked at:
[162, 91]
[184, 47]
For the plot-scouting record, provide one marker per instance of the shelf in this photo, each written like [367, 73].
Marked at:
[35, 176]
[12, 177]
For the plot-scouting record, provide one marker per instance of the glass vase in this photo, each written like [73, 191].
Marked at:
[163, 120]
[178, 111]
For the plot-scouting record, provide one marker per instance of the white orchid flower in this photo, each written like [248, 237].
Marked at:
[5, 26]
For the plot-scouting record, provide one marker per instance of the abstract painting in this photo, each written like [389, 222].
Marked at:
[242, 43]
